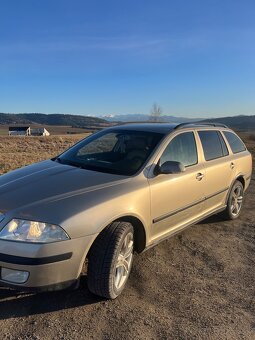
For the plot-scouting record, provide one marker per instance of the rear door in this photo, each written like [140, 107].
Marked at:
[177, 199]
[241, 158]
[219, 172]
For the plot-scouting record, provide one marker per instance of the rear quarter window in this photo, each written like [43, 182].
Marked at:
[235, 142]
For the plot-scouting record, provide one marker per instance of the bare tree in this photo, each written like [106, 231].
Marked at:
[156, 113]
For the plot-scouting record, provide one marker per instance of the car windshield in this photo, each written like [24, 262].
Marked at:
[121, 152]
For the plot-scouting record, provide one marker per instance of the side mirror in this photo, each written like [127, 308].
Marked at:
[170, 167]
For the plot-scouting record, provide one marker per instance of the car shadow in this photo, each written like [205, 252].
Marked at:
[14, 304]
[212, 219]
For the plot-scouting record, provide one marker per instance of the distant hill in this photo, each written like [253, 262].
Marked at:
[241, 123]
[78, 121]
[51, 119]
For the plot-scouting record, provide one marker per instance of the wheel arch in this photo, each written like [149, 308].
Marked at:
[139, 232]
[239, 178]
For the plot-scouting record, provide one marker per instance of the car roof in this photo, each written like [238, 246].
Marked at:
[165, 128]
[150, 127]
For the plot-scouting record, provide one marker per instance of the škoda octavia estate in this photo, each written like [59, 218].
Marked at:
[117, 192]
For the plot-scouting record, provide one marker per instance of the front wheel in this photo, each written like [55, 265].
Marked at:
[110, 260]
[235, 201]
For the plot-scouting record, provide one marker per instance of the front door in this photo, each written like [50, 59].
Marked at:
[177, 199]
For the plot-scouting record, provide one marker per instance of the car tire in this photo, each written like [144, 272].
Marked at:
[235, 201]
[110, 260]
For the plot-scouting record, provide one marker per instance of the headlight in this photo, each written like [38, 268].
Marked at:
[32, 231]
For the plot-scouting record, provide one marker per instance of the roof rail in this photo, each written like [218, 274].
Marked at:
[183, 125]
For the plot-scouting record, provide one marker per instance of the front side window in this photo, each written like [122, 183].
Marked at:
[121, 152]
[213, 144]
[235, 142]
[182, 148]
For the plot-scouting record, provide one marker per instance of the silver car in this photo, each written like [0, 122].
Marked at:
[121, 190]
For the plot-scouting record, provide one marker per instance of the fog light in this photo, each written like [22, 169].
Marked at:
[14, 276]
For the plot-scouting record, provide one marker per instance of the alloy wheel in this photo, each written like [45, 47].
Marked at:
[124, 261]
[236, 201]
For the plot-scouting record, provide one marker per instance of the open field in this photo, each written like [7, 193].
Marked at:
[199, 284]
[16, 152]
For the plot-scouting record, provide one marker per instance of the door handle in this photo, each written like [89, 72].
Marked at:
[200, 176]
[232, 165]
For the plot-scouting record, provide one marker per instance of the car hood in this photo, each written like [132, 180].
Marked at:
[49, 181]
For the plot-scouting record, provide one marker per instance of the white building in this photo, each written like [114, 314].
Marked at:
[19, 131]
[27, 131]
[39, 132]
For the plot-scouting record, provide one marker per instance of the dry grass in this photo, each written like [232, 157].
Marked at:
[16, 152]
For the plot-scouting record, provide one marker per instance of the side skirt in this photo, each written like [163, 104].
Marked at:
[183, 228]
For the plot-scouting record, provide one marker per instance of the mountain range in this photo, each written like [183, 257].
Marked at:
[127, 118]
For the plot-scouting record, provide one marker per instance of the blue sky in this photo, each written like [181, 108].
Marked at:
[193, 57]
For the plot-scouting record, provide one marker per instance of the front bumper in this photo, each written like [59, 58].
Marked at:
[50, 266]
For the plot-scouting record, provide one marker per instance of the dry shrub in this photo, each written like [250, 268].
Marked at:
[252, 137]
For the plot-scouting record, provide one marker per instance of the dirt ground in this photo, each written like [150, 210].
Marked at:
[199, 284]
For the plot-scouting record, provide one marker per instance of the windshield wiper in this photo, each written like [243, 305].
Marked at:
[67, 162]
[57, 159]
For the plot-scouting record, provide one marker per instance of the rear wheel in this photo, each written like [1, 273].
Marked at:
[110, 260]
[235, 201]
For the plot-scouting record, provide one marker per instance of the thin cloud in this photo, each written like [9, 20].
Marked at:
[104, 44]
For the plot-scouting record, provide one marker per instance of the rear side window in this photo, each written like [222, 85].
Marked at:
[213, 144]
[182, 148]
[235, 142]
